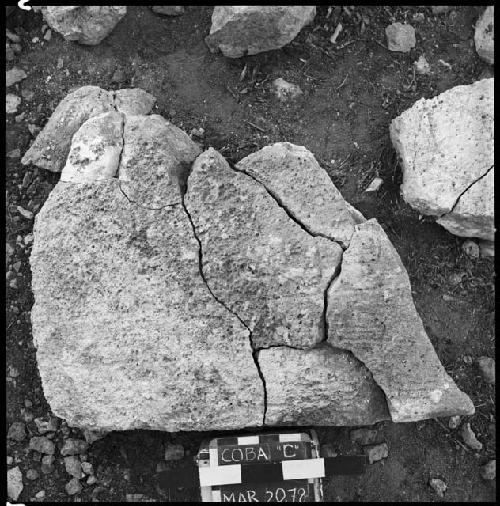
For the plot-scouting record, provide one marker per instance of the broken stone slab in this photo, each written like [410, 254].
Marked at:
[95, 149]
[445, 145]
[484, 35]
[155, 161]
[238, 30]
[400, 37]
[51, 147]
[127, 334]
[87, 24]
[261, 264]
[292, 175]
[371, 314]
[319, 386]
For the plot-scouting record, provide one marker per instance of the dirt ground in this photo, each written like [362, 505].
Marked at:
[352, 90]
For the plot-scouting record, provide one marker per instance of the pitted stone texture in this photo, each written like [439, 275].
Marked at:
[134, 101]
[87, 24]
[446, 145]
[484, 35]
[371, 313]
[319, 386]
[293, 176]
[240, 29]
[259, 262]
[51, 147]
[127, 333]
[95, 150]
[155, 161]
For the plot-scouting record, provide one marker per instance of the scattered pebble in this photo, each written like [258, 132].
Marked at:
[42, 445]
[418, 17]
[454, 421]
[35, 40]
[14, 75]
[40, 495]
[60, 63]
[376, 452]
[375, 185]
[73, 466]
[422, 66]
[87, 468]
[33, 129]
[73, 487]
[118, 76]
[487, 367]
[44, 426]
[400, 37]
[12, 37]
[439, 486]
[32, 474]
[489, 470]
[471, 248]
[12, 102]
[25, 213]
[74, 447]
[467, 359]
[17, 431]
[10, 460]
[174, 452]
[48, 35]
[91, 480]
[14, 483]
[364, 436]
[470, 438]
[285, 90]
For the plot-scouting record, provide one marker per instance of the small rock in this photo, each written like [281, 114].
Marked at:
[376, 452]
[174, 452]
[14, 483]
[118, 76]
[40, 495]
[87, 468]
[454, 421]
[11, 103]
[33, 129]
[418, 17]
[28, 239]
[48, 459]
[375, 185]
[422, 65]
[439, 486]
[35, 40]
[17, 431]
[73, 487]
[32, 474]
[74, 447]
[48, 35]
[487, 367]
[470, 438]
[25, 213]
[489, 470]
[73, 466]
[285, 90]
[44, 426]
[487, 248]
[12, 37]
[91, 480]
[168, 10]
[14, 75]
[467, 359]
[60, 63]
[20, 117]
[10, 460]
[42, 445]
[400, 37]
[471, 249]
[364, 436]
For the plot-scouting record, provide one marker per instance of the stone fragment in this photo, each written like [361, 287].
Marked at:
[286, 91]
[238, 30]
[319, 386]
[73, 486]
[42, 445]
[174, 452]
[484, 35]
[45, 426]
[471, 249]
[48, 35]
[74, 447]
[17, 431]
[14, 76]
[88, 24]
[470, 438]
[256, 260]
[94, 435]
[87, 468]
[13, 37]
[422, 66]
[50, 149]
[364, 436]
[439, 486]
[375, 185]
[12, 102]
[487, 368]
[168, 10]
[40, 495]
[155, 161]
[134, 101]
[376, 452]
[400, 37]
[32, 474]
[489, 470]
[14, 483]
[448, 172]
[371, 313]
[454, 421]
[73, 466]
[95, 149]
[128, 336]
[294, 178]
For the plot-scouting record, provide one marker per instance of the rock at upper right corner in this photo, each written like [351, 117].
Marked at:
[445, 145]
[400, 37]
[238, 30]
[484, 35]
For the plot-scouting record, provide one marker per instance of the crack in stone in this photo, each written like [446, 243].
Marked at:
[294, 218]
[465, 191]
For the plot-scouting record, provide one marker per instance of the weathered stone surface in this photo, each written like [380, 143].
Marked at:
[400, 37]
[50, 149]
[127, 333]
[293, 176]
[239, 29]
[484, 35]
[256, 260]
[95, 149]
[446, 148]
[87, 24]
[168, 10]
[14, 483]
[154, 161]
[134, 101]
[371, 313]
[319, 386]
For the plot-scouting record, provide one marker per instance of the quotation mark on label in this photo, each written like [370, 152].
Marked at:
[22, 5]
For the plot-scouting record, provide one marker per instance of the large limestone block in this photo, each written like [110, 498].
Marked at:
[294, 177]
[87, 24]
[319, 386]
[127, 334]
[484, 35]
[371, 314]
[241, 29]
[446, 146]
[258, 261]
